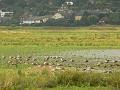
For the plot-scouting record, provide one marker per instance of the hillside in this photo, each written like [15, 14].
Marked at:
[49, 7]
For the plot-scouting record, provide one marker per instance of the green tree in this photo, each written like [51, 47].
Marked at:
[114, 18]
[92, 19]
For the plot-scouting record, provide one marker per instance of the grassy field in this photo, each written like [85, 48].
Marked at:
[42, 40]
[31, 42]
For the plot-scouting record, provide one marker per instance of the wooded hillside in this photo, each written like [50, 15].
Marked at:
[48, 7]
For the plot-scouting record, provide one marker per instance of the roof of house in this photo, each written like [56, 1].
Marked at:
[37, 17]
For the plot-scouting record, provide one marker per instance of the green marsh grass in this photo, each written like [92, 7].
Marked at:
[19, 79]
[24, 40]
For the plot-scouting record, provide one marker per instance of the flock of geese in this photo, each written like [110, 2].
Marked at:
[60, 62]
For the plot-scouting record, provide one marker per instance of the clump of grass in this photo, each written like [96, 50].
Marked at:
[45, 79]
[73, 78]
[8, 79]
[80, 79]
[114, 80]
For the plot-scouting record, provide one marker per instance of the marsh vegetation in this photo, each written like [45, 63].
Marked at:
[59, 58]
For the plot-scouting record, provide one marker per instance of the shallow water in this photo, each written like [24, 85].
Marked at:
[103, 54]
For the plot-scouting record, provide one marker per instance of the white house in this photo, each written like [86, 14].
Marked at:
[35, 19]
[69, 3]
[3, 14]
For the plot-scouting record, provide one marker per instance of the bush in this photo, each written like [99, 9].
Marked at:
[114, 18]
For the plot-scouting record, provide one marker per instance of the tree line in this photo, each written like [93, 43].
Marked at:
[46, 7]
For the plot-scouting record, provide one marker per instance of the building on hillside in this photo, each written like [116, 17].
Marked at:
[69, 3]
[35, 19]
[57, 16]
[5, 14]
[78, 18]
[79, 15]
[69, 14]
